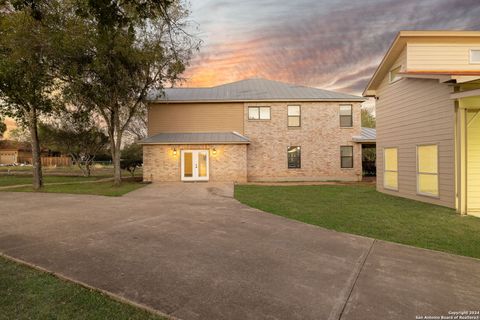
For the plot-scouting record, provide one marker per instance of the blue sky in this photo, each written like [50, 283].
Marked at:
[330, 44]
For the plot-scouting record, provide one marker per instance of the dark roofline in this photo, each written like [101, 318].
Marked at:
[258, 100]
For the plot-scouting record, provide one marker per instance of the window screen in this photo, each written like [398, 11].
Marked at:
[346, 157]
[346, 115]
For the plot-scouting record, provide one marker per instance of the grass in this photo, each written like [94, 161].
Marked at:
[11, 180]
[363, 211]
[98, 188]
[97, 170]
[26, 293]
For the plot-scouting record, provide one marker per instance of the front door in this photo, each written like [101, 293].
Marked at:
[194, 165]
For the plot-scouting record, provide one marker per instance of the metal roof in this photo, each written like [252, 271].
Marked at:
[367, 135]
[196, 138]
[249, 90]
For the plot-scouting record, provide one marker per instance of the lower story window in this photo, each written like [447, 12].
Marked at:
[390, 168]
[346, 157]
[427, 170]
[294, 157]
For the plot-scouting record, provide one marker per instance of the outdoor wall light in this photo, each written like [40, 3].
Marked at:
[174, 151]
[214, 151]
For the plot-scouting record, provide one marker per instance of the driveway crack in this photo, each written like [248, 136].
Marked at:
[353, 284]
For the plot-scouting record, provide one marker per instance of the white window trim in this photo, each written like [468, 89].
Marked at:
[259, 119]
[390, 81]
[470, 56]
[426, 194]
[299, 116]
[385, 170]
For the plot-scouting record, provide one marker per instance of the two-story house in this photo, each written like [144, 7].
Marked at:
[428, 118]
[253, 130]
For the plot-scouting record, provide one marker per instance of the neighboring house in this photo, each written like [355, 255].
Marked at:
[428, 122]
[253, 130]
[12, 152]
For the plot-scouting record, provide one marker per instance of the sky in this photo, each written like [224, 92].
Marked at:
[329, 44]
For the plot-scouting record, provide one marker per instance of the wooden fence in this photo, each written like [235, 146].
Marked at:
[49, 161]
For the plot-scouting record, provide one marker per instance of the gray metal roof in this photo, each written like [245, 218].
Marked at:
[367, 135]
[249, 90]
[196, 138]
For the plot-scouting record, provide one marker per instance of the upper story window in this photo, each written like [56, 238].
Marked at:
[393, 75]
[475, 56]
[294, 157]
[346, 119]
[258, 113]
[294, 116]
[427, 170]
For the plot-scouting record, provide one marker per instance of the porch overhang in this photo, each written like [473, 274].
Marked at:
[192, 138]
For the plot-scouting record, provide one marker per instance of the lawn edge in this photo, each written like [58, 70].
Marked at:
[109, 294]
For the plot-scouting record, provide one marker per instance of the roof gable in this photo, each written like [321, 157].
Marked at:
[249, 90]
[400, 43]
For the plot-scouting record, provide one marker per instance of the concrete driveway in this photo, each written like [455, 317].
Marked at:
[193, 252]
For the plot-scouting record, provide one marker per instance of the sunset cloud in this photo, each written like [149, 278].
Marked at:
[328, 44]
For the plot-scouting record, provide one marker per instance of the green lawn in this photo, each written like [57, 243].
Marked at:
[97, 188]
[26, 293]
[362, 210]
[10, 180]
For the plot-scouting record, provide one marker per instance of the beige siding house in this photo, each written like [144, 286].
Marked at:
[427, 91]
[253, 130]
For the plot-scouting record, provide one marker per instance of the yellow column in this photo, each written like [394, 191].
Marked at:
[461, 160]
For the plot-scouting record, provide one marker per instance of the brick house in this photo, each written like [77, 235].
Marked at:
[253, 130]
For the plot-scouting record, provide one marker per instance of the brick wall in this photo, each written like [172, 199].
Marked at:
[319, 136]
[228, 164]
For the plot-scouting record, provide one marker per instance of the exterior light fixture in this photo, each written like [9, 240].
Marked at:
[174, 151]
[214, 151]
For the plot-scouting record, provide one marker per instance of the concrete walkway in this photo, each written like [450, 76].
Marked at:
[193, 252]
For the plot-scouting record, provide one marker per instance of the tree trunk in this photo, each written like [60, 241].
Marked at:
[36, 154]
[117, 175]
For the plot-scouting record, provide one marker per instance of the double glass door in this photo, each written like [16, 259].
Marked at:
[194, 165]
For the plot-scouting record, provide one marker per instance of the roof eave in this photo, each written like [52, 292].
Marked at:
[260, 100]
[193, 142]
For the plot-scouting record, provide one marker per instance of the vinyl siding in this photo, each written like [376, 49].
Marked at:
[200, 117]
[453, 56]
[413, 112]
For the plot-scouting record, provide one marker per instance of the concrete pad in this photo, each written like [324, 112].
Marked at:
[192, 251]
[402, 282]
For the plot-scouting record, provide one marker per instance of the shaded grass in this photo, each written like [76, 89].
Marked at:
[11, 180]
[26, 293]
[97, 188]
[364, 211]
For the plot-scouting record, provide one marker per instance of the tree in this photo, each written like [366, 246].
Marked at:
[27, 82]
[3, 127]
[368, 120]
[116, 51]
[76, 134]
[132, 158]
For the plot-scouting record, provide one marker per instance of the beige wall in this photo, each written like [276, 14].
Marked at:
[207, 117]
[411, 112]
[437, 55]
[319, 136]
[228, 164]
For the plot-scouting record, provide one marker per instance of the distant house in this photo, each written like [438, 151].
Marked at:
[12, 152]
[253, 130]
[428, 118]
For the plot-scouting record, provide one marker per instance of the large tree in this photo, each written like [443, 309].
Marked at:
[116, 51]
[27, 82]
[3, 127]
